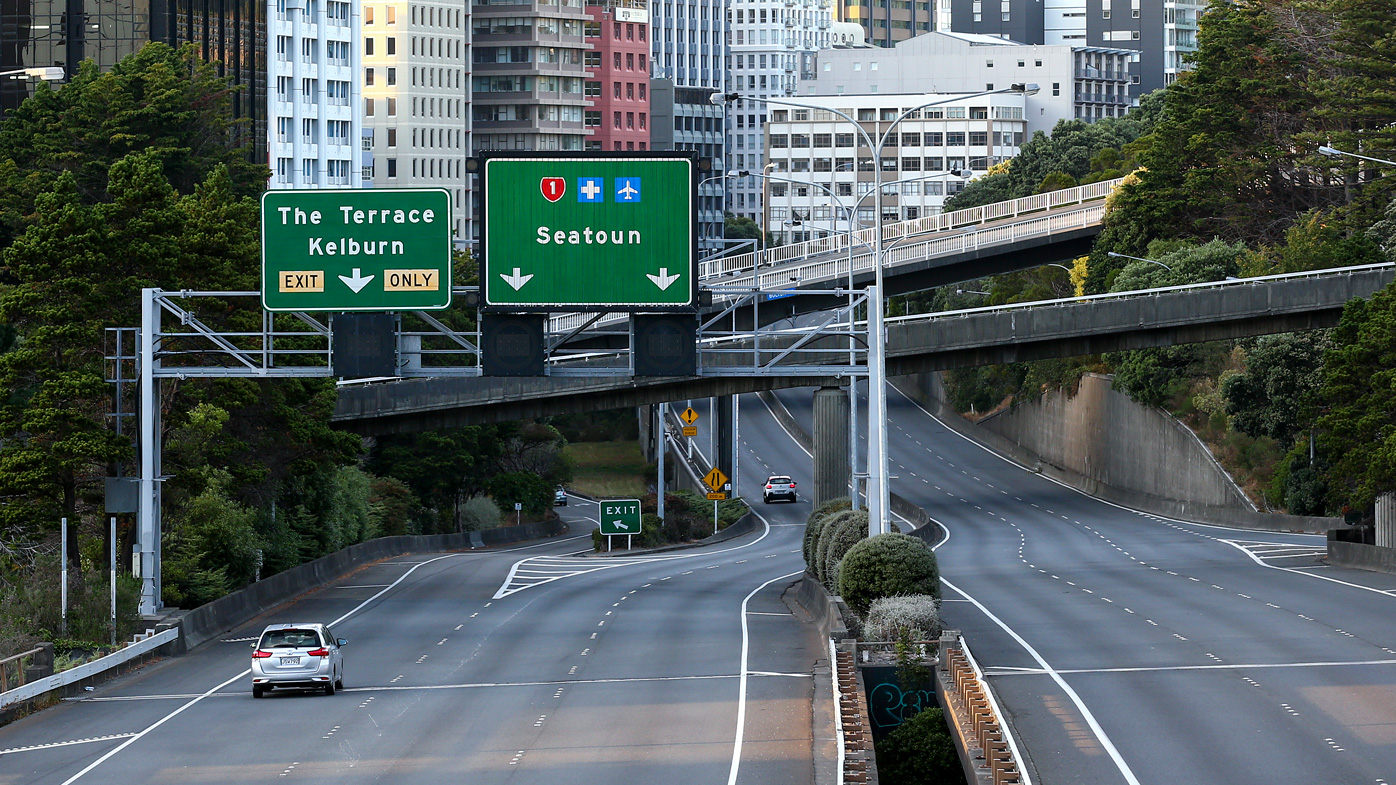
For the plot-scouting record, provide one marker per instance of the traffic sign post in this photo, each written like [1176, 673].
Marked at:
[689, 417]
[715, 479]
[619, 516]
[371, 249]
[594, 232]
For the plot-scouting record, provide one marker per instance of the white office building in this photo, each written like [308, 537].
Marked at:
[416, 77]
[772, 46]
[818, 148]
[313, 100]
[1075, 82]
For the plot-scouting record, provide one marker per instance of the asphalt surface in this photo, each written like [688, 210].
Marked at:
[1131, 648]
[518, 665]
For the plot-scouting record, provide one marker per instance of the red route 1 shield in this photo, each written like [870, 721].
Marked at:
[553, 188]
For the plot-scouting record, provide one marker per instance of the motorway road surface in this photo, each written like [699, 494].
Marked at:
[1130, 648]
[515, 665]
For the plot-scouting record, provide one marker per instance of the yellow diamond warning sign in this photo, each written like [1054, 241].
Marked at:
[715, 479]
[689, 416]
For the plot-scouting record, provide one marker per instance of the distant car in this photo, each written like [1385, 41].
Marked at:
[297, 656]
[778, 487]
[559, 497]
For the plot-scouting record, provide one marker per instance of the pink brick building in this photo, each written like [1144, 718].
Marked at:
[617, 81]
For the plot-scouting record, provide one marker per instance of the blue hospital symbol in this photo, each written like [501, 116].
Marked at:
[590, 189]
[627, 189]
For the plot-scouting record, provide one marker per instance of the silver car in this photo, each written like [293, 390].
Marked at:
[297, 656]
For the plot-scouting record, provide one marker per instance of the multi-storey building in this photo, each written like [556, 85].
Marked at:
[36, 33]
[315, 124]
[1080, 82]
[929, 156]
[688, 44]
[1163, 33]
[1160, 32]
[617, 85]
[772, 46]
[529, 75]
[888, 21]
[417, 98]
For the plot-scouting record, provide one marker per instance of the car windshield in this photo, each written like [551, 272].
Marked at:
[289, 639]
[779, 481]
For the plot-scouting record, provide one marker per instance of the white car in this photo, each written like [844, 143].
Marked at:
[297, 656]
[778, 487]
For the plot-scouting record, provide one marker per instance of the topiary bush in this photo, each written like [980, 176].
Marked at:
[910, 617]
[848, 533]
[820, 556]
[815, 524]
[886, 566]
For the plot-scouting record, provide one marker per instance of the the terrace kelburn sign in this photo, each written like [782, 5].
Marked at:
[370, 249]
[588, 231]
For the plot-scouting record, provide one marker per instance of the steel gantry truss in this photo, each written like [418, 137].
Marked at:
[221, 335]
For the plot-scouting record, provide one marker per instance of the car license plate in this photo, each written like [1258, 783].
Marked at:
[290, 660]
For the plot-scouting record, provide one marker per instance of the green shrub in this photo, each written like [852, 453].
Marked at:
[842, 537]
[820, 554]
[886, 566]
[912, 617]
[920, 752]
[479, 513]
[815, 523]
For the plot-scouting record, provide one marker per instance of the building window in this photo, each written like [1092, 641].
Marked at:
[392, 15]
[615, 60]
[1056, 88]
[392, 76]
[392, 42]
[392, 137]
[392, 107]
[368, 77]
[368, 107]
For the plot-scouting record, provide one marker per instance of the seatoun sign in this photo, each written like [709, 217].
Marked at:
[588, 231]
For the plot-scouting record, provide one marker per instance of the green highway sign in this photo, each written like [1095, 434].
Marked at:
[620, 516]
[369, 249]
[592, 231]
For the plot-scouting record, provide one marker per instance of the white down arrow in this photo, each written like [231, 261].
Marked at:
[664, 280]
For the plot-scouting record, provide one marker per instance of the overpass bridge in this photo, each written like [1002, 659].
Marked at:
[769, 360]
[920, 254]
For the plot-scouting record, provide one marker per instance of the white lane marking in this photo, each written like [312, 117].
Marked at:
[546, 569]
[741, 688]
[1086, 714]
[137, 737]
[1209, 667]
[51, 745]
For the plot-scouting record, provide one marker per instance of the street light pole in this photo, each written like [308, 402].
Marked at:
[1138, 259]
[879, 522]
[1331, 151]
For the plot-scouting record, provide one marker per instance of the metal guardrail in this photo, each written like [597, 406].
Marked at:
[1138, 293]
[87, 670]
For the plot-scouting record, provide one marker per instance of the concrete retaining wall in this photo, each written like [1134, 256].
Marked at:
[1360, 556]
[1104, 444]
[209, 620]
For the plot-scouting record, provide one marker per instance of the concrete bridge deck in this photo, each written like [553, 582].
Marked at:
[926, 342]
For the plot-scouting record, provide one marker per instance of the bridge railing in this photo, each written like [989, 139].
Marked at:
[957, 219]
[1138, 293]
[829, 268]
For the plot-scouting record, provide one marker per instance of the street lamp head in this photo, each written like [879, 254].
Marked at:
[1324, 149]
[50, 73]
[1116, 255]
[1028, 88]
[721, 98]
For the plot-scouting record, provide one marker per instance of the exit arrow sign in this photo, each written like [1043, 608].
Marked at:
[620, 516]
